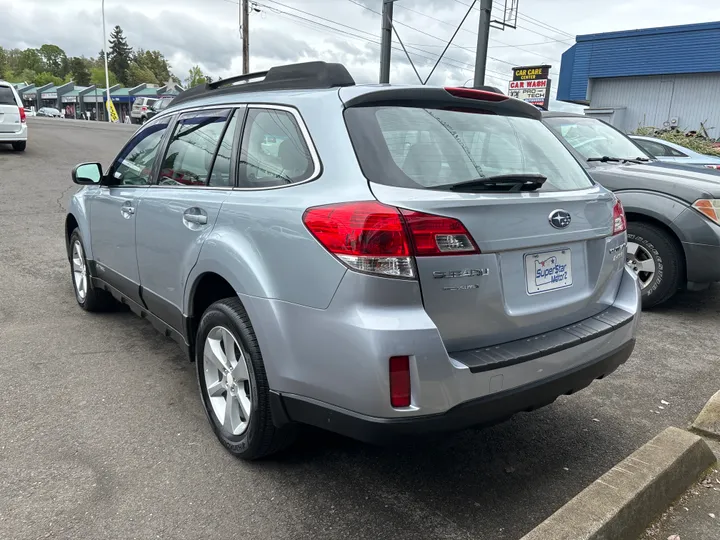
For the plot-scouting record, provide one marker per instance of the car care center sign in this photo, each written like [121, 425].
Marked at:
[531, 84]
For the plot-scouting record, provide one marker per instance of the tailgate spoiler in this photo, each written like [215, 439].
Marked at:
[470, 99]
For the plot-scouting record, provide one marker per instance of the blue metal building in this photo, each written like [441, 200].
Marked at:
[667, 76]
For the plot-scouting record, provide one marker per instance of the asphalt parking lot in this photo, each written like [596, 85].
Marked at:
[102, 434]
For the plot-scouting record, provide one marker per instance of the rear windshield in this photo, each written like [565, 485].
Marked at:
[424, 148]
[7, 97]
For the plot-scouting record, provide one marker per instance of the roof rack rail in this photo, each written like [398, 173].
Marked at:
[306, 75]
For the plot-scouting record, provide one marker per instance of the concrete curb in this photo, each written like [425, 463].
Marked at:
[625, 500]
[708, 421]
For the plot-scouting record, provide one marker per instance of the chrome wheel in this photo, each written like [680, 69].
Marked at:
[79, 269]
[227, 380]
[641, 261]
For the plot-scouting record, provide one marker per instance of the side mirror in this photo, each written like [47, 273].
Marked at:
[87, 174]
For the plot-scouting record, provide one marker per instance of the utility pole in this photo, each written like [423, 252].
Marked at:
[245, 25]
[386, 41]
[482, 43]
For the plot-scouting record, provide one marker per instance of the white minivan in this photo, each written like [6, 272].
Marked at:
[13, 126]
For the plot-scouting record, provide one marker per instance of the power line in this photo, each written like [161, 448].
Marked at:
[458, 64]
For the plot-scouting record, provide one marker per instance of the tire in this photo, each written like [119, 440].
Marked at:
[249, 432]
[143, 119]
[650, 243]
[19, 146]
[88, 297]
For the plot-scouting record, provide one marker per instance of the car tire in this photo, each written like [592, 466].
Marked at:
[245, 427]
[656, 258]
[88, 297]
[143, 120]
[19, 146]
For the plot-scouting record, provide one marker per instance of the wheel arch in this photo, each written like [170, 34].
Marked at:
[71, 223]
[206, 288]
[639, 217]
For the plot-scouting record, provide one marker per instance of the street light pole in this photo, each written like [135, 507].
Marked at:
[107, 75]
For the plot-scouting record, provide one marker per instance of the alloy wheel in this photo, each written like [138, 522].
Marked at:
[641, 261]
[227, 380]
[79, 269]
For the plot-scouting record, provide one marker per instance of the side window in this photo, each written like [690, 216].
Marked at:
[133, 167]
[192, 148]
[675, 153]
[273, 152]
[220, 176]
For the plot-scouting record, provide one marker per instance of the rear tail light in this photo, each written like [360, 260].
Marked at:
[473, 93]
[619, 219]
[144, 108]
[716, 167]
[23, 119]
[372, 237]
[710, 208]
[400, 381]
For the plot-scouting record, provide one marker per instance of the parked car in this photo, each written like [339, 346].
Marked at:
[160, 105]
[50, 112]
[674, 153]
[672, 210]
[402, 266]
[141, 107]
[29, 111]
[13, 125]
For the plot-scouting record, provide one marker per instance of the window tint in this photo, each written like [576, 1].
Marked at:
[675, 153]
[221, 168]
[192, 147]
[273, 150]
[428, 148]
[134, 164]
[7, 97]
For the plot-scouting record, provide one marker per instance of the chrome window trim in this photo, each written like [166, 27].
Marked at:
[317, 165]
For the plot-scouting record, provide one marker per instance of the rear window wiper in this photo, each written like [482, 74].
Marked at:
[503, 182]
[606, 159]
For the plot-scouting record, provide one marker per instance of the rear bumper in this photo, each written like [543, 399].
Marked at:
[482, 411]
[14, 136]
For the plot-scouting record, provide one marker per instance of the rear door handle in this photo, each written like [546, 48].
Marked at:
[195, 216]
[127, 210]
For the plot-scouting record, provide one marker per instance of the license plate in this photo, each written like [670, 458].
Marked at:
[548, 271]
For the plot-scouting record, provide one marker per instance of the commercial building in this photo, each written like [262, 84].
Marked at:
[76, 101]
[653, 77]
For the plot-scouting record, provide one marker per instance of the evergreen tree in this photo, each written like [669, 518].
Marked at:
[119, 55]
[80, 71]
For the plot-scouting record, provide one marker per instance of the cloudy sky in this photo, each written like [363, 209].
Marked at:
[206, 32]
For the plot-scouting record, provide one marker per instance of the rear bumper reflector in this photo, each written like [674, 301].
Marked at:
[530, 348]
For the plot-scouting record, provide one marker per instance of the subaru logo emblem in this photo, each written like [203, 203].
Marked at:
[559, 219]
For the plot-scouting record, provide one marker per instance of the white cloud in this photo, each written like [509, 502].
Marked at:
[206, 32]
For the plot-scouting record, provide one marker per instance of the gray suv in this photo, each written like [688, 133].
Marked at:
[378, 261]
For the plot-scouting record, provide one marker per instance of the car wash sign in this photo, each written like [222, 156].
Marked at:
[531, 84]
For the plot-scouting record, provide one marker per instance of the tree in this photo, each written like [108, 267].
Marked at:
[155, 62]
[46, 78]
[195, 77]
[30, 59]
[80, 71]
[54, 60]
[97, 77]
[119, 55]
[140, 74]
[4, 68]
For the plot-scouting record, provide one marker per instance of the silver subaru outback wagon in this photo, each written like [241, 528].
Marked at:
[379, 261]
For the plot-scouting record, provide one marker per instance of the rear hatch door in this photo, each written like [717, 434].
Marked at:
[545, 256]
[9, 111]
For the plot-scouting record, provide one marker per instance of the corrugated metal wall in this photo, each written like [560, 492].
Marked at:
[653, 100]
[672, 50]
